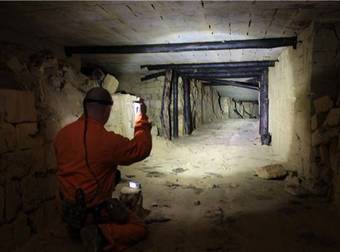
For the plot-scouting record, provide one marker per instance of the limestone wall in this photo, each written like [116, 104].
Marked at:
[239, 109]
[289, 104]
[27, 181]
[325, 111]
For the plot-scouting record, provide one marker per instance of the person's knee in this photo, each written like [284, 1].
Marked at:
[140, 232]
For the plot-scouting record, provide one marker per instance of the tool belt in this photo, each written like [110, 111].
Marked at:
[109, 211]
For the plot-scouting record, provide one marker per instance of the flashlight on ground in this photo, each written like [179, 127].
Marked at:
[135, 185]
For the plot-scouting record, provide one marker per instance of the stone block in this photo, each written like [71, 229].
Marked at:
[8, 141]
[319, 137]
[333, 117]
[27, 136]
[51, 128]
[324, 155]
[19, 106]
[75, 62]
[332, 132]
[21, 230]
[323, 104]
[51, 162]
[318, 120]
[36, 190]
[334, 157]
[18, 164]
[39, 160]
[37, 220]
[274, 171]
[293, 186]
[13, 200]
[2, 204]
[7, 242]
[32, 191]
[15, 65]
[110, 83]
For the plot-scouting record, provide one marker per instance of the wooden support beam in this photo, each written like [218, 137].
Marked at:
[230, 82]
[166, 103]
[252, 86]
[222, 75]
[224, 65]
[220, 70]
[152, 76]
[264, 110]
[187, 107]
[175, 104]
[183, 47]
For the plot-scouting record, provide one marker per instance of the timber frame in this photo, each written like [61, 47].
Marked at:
[210, 74]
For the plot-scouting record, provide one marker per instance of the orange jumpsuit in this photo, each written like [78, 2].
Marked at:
[106, 150]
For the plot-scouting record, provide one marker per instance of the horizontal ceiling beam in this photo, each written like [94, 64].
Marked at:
[183, 47]
[152, 76]
[246, 85]
[266, 63]
[223, 75]
[220, 70]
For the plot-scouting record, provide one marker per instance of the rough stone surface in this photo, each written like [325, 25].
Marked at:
[13, 200]
[18, 164]
[27, 135]
[37, 220]
[293, 186]
[38, 190]
[271, 172]
[333, 117]
[318, 120]
[319, 137]
[21, 230]
[7, 242]
[19, 106]
[288, 89]
[110, 83]
[122, 115]
[8, 141]
[2, 204]
[323, 104]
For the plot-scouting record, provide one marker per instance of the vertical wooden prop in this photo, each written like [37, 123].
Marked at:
[187, 107]
[166, 102]
[264, 109]
[175, 104]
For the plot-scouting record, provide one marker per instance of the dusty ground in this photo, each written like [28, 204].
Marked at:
[204, 186]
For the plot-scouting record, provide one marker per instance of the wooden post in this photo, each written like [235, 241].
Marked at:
[166, 102]
[264, 109]
[187, 106]
[175, 103]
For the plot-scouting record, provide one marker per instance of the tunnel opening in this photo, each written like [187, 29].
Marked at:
[243, 100]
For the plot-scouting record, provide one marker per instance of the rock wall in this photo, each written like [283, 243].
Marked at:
[325, 167]
[205, 101]
[289, 104]
[27, 180]
[239, 109]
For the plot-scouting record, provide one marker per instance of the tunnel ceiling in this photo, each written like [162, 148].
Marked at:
[127, 23]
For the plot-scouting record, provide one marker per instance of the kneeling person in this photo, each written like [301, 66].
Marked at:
[88, 156]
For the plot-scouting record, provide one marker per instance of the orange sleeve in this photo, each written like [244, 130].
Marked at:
[126, 151]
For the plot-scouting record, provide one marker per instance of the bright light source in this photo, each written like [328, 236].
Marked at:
[134, 185]
[136, 107]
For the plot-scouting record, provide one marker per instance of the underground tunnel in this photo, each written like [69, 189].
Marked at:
[243, 108]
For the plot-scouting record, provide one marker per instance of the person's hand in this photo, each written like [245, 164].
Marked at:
[143, 108]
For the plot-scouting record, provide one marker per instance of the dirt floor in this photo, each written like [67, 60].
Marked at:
[203, 196]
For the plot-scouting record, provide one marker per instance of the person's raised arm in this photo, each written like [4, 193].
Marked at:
[126, 151]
